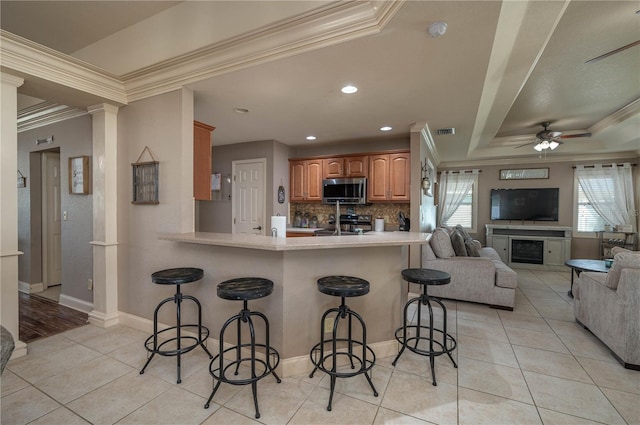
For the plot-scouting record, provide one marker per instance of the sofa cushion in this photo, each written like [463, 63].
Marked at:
[441, 244]
[463, 231]
[620, 261]
[457, 241]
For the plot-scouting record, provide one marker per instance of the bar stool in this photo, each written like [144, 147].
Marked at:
[245, 289]
[327, 349]
[177, 277]
[426, 277]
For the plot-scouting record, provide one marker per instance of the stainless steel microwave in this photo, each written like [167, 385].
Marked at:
[347, 191]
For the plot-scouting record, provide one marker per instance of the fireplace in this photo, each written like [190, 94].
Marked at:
[527, 251]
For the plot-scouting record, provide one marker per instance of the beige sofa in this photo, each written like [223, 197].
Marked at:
[482, 279]
[608, 304]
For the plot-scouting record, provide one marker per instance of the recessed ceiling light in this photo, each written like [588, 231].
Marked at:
[386, 128]
[311, 137]
[241, 110]
[349, 89]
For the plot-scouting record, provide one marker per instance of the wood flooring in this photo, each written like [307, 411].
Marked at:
[41, 317]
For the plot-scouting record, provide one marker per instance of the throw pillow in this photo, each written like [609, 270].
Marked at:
[464, 232]
[620, 261]
[441, 244]
[457, 240]
[472, 248]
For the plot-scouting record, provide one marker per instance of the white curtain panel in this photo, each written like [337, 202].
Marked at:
[610, 191]
[454, 185]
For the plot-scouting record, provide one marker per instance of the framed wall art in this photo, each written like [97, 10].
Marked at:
[79, 175]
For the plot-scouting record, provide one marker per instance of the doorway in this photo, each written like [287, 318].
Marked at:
[51, 220]
[248, 190]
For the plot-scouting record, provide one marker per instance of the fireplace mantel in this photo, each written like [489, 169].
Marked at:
[556, 242]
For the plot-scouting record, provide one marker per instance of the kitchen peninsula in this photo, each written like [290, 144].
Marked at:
[294, 265]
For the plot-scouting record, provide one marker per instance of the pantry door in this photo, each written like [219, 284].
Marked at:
[248, 189]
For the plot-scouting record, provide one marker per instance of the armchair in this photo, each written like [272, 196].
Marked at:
[609, 306]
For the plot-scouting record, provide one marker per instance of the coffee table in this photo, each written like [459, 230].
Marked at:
[578, 266]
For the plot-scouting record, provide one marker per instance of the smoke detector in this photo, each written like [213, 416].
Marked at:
[437, 29]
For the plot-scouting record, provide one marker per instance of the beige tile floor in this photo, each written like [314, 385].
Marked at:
[534, 365]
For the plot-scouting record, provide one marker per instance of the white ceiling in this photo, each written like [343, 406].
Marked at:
[501, 69]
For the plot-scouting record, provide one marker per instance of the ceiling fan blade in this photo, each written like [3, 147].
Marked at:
[573, 136]
[523, 145]
[613, 52]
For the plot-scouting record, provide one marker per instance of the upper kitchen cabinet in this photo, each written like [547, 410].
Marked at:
[389, 177]
[333, 168]
[356, 166]
[305, 180]
[345, 167]
[202, 161]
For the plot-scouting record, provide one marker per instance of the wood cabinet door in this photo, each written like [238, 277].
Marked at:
[378, 178]
[314, 180]
[399, 176]
[296, 181]
[333, 168]
[202, 161]
[356, 166]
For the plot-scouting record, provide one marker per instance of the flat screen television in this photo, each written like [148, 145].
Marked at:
[525, 204]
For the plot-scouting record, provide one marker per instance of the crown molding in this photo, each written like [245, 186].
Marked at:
[45, 113]
[548, 160]
[333, 24]
[622, 114]
[30, 58]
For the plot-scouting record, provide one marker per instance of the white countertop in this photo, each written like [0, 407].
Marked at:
[268, 243]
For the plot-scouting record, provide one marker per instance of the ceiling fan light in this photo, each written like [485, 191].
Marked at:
[538, 147]
[553, 145]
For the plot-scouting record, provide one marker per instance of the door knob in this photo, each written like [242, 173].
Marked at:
[257, 228]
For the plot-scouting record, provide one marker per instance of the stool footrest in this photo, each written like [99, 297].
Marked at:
[266, 369]
[448, 347]
[365, 365]
[194, 341]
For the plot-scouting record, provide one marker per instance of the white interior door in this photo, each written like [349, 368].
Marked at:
[51, 220]
[248, 196]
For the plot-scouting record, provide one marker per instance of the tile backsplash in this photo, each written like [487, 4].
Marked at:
[387, 211]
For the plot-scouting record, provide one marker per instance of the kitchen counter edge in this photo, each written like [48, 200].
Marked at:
[269, 243]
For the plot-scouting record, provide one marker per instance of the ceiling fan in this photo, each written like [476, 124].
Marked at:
[550, 139]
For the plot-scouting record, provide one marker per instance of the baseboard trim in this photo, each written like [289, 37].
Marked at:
[20, 350]
[30, 288]
[75, 303]
[103, 320]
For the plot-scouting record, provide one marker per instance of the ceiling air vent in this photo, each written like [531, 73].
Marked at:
[445, 131]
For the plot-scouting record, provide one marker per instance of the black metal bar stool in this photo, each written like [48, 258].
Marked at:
[426, 277]
[177, 277]
[244, 289]
[343, 286]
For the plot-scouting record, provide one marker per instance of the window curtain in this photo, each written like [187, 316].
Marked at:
[609, 191]
[454, 185]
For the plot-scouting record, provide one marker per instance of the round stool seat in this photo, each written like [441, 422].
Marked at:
[343, 286]
[177, 276]
[245, 288]
[426, 276]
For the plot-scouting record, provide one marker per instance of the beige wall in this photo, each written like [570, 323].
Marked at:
[72, 138]
[215, 216]
[560, 176]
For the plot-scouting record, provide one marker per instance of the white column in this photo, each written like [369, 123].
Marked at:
[9, 208]
[105, 215]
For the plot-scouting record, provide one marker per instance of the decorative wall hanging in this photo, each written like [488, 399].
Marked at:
[79, 175]
[22, 180]
[281, 195]
[524, 173]
[427, 177]
[145, 180]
